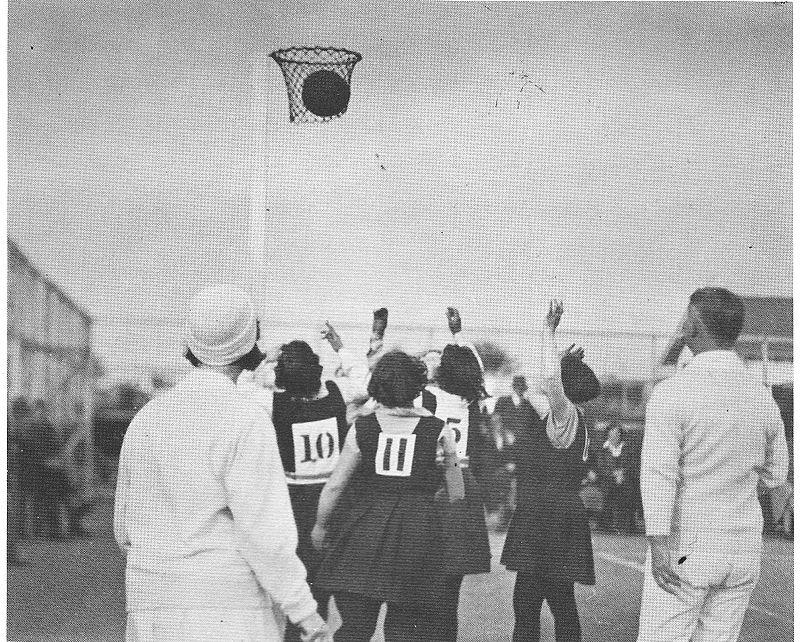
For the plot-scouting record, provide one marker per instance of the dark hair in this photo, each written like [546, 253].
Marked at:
[250, 361]
[397, 380]
[460, 373]
[298, 371]
[722, 313]
[20, 408]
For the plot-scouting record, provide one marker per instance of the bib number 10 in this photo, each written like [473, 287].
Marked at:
[395, 455]
[316, 447]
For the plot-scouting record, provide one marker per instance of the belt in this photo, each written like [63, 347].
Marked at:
[293, 479]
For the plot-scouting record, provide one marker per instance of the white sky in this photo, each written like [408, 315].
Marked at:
[655, 158]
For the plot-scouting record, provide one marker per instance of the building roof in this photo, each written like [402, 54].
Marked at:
[769, 318]
[17, 254]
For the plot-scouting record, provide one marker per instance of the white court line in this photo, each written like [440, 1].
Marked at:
[622, 561]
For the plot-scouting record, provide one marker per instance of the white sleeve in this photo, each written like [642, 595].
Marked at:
[563, 421]
[562, 431]
[353, 376]
[661, 453]
[263, 519]
[776, 455]
[121, 497]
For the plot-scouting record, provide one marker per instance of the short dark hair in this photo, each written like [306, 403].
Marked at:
[722, 313]
[460, 373]
[298, 371]
[397, 380]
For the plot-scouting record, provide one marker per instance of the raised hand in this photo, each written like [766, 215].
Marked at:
[329, 333]
[454, 320]
[573, 351]
[554, 314]
[380, 319]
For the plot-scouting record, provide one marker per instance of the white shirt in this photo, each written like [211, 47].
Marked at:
[202, 510]
[711, 432]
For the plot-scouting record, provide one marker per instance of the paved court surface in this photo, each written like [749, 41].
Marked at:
[74, 591]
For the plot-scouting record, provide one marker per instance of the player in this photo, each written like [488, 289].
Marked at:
[390, 544]
[456, 399]
[549, 543]
[310, 425]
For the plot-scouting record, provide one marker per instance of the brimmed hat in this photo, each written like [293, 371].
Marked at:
[580, 382]
[221, 325]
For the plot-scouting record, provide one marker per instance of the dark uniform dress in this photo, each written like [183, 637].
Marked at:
[389, 545]
[464, 522]
[310, 435]
[549, 541]
[464, 532]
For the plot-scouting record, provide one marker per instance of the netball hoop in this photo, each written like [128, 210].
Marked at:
[317, 80]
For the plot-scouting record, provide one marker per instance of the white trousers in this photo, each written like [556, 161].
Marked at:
[203, 625]
[717, 579]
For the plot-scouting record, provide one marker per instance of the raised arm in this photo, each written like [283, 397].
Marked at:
[351, 373]
[562, 421]
[459, 338]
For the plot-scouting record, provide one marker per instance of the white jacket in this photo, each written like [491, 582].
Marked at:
[202, 510]
[711, 432]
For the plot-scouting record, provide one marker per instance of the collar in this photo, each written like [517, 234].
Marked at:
[516, 399]
[715, 359]
[403, 412]
[206, 377]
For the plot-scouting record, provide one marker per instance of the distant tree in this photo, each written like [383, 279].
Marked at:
[495, 359]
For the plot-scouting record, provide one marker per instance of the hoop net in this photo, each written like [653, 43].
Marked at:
[320, 101]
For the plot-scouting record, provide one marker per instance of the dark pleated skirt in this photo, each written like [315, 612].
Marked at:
[464, 532]
[550, 534]
[389, 548]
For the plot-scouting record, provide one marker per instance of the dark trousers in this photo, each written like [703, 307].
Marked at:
[444, 622]
[530, 590]
[404, 622]
[618, 511]
[304, 506]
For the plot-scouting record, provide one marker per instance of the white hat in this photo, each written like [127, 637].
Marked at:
[221, 325]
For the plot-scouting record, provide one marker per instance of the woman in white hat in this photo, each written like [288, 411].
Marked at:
[202, 511]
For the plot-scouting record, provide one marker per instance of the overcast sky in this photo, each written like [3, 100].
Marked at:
[647, 153]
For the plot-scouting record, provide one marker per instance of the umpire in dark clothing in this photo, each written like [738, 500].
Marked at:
[549, 542]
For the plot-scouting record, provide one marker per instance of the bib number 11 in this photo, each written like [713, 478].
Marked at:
[395, 455]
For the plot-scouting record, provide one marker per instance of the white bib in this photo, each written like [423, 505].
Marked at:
[395, 454]
[455, 413]
[316, 448]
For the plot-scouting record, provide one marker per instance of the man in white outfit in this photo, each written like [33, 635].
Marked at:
[202, 510]
[711, 432]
